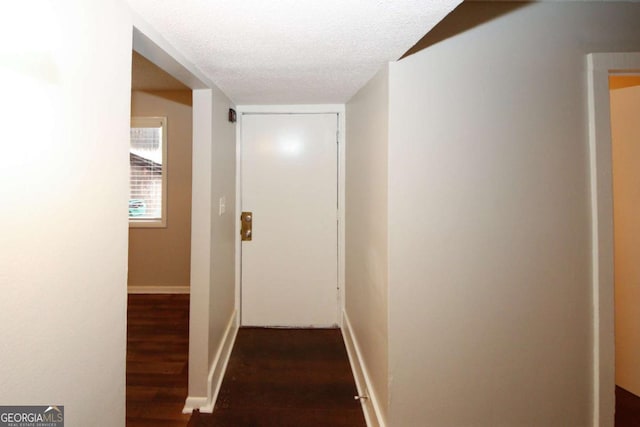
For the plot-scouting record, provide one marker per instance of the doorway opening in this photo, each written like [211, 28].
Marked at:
[160, 249]
[625, 150]
[159, 245]
[600, 67]
[152, 46]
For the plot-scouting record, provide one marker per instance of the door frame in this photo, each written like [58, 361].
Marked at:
[205, 376]
[338, 109]
[600, 66]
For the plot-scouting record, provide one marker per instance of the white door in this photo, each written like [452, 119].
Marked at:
[289, 183]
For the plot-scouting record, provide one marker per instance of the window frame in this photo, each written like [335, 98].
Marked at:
[146, 122]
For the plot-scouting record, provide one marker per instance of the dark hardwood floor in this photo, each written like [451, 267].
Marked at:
[276, 377]
[157, 355]
[627, 408]
[286, 378]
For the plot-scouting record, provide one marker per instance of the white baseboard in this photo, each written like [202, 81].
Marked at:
[370, 406]
[158, 289]
[216, 371]
[194, 403]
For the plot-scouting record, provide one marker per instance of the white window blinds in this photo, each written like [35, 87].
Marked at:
[147, 160]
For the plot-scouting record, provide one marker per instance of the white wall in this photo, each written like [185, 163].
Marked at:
[625, 139]
[366, 292]
[489, 258]
[63, 222]
[212, 310]
[223, 235]
[201, 219]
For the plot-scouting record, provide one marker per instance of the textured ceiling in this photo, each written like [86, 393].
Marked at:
[292, 51]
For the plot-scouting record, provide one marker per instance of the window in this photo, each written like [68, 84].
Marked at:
[148, 172]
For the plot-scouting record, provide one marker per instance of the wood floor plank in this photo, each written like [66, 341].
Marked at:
[627, 409]
[286, 377]
[276, 377]
[157, 355]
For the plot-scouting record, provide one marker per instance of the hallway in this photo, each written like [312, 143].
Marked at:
[286, 377]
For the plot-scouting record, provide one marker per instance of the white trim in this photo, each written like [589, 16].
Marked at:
[301, 108]
[159, 289]
[338, 109]
[152, 45]
[201, 241]
[216, 371]
[155, 122]
[600, 66]
[342, 156]
[194, 403]
[238, 258]
[370, 406]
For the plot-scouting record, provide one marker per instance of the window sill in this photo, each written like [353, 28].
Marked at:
[147, 223]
